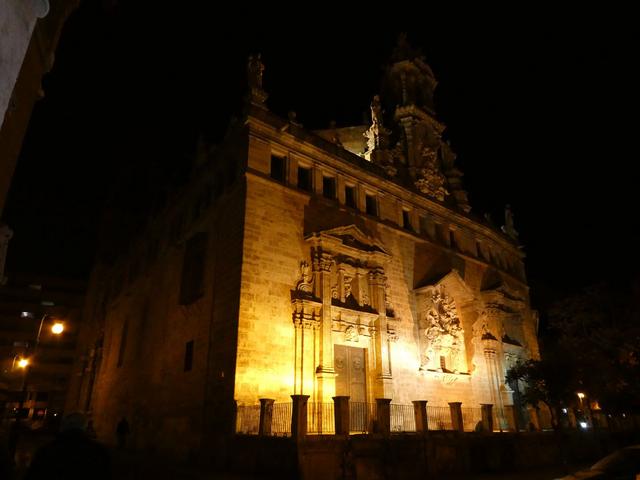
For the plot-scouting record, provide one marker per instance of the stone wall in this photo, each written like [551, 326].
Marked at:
[437, 455]
[168, 408]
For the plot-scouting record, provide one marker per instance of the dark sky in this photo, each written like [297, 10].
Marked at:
[538, 109]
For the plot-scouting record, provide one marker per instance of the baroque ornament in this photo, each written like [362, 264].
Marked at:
[305, 284]
[430, 180]
[443, 334]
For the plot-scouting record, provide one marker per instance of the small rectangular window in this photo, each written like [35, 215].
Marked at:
[123, 343]
[329, 187]
[350, 196]
[304, 178]
[188, 356]
[371, 205]
[192, 282]
[277, 168]
[424, 225]
[406, 220]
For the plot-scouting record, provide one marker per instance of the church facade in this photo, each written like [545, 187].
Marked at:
[338, 262]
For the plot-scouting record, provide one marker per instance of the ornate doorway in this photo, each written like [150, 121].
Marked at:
[350, 372]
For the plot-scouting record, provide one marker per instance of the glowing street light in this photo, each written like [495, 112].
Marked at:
[57, 328]
[580, 396]
[23, 362]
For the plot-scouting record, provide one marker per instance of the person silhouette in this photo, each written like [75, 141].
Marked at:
[72, 455]
[122, 431]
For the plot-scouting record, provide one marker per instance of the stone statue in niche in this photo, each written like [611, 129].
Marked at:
[305, 284]
[365, 298]
[346, 282]
[443, 334]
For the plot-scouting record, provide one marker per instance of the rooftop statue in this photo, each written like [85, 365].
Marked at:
[508, 227]
[255, 68]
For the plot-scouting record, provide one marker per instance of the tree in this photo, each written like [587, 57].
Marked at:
[549, 380]
[598, 330]
[592, 346]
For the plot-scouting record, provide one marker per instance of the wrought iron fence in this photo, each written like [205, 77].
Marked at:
[471, 417]
[281, 419]
[439, 418]
[361, 417]
[248, 419]
[504, 419]
[320, 418]
[403, 418]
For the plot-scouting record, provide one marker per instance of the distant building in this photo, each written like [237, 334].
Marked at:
[29, 306]
[339, 262]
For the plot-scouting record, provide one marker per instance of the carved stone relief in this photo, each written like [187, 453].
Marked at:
[442, 334]
[305, 284]
[430, 180]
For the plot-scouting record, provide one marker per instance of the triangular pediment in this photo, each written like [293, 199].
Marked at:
[504, 295]
[453, 283]
[348, 237]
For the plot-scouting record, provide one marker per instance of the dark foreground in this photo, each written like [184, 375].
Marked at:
[128, 464]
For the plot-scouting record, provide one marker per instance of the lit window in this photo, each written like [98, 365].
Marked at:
[26, 315]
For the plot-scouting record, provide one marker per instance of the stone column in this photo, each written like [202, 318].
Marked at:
[266, 415]
[487, 417]
[299, 416]
[420, 413]
[341, 415]
[325, 373]
[383, 364]
[456, 416]
[383, 415]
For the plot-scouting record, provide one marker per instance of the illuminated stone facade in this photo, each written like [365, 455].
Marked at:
[339, 262]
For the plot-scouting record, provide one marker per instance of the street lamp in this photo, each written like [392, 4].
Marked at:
[57, 328]
[25, 363]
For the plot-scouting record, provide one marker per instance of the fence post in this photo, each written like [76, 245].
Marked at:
[456, 416]
[299, 415]
[487, 417]
[420, 413]
[341, 415]
[383, 415]
[266, 415]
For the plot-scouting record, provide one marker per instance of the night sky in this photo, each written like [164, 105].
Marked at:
[538, 111]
